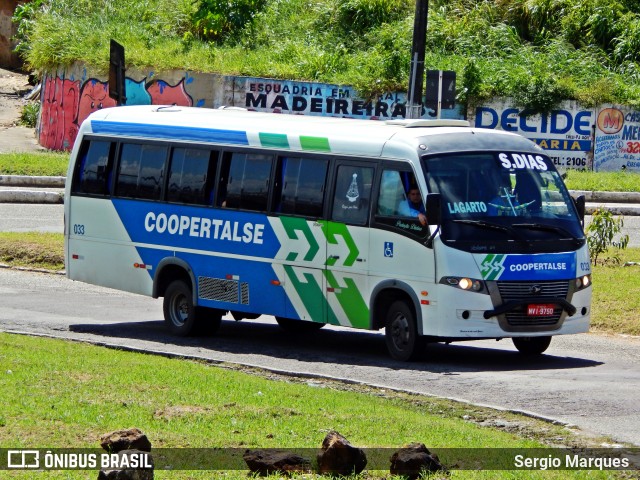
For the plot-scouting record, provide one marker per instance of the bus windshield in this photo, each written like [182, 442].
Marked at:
[505, 201]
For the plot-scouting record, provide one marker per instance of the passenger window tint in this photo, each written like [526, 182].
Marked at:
[352, 194]
[301, 186]
[93, 175]
[141, 171]
[244, 182]
[191, 176]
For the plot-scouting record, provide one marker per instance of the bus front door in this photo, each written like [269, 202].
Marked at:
[347, 234]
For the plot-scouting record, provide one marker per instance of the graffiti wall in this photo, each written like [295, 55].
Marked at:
[69, 97]
[604, 138]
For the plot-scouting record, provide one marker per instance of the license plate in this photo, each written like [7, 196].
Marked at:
[540, 310]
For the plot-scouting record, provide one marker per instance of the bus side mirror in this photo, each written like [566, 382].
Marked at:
[434, 208]
[580, 204]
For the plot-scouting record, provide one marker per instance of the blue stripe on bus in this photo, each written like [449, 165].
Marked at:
[172, 132]
[198, 228]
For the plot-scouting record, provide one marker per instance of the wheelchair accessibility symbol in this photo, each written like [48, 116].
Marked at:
[388, 249]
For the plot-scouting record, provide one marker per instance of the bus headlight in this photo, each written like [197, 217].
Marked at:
[465, 283]
[583, 282]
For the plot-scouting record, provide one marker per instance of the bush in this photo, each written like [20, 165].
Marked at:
[219, 20]
[539, 94]
[29, 115]
[24, 16]
[601, 233]
[360, 16]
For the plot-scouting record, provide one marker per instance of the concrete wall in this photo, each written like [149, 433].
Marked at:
[601, 138]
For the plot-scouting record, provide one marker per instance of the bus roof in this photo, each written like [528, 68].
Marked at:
[236, 126]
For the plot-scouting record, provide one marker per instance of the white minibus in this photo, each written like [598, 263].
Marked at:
[430, 230]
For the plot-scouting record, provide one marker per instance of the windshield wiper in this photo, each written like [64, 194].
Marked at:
[482, 224]
[548, 228]
[493, 226]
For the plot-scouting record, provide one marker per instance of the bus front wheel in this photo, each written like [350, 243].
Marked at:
[531, 345]
[184, 318]
[401, 333]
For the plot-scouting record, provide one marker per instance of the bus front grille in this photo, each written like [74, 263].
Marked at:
[521, 291]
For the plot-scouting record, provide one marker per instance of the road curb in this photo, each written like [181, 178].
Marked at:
[616, 209]
[33, 270]
[607, 197]
[31, 181]
[31, 196]
[618, 203]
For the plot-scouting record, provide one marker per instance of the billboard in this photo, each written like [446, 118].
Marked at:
[308, 98]
[617, 139]
[566, 133]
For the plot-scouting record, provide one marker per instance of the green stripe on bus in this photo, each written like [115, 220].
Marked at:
[331, 230]
[350, 299]
[277, 140]
[291, 225]
[315, 143]
[312, 296]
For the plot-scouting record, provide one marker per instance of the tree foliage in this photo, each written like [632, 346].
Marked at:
[219, 20]
[538, 51]
[601, 236]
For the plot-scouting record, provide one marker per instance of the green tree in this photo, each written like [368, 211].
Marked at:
[601, 235]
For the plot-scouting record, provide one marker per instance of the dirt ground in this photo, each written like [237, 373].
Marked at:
[13, 137]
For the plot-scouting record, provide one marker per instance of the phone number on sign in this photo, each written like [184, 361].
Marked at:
[579, 162]
[632, 147]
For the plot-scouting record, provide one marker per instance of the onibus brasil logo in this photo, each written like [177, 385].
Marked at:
[492, 266]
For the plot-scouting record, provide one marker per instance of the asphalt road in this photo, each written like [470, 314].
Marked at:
[586, 380]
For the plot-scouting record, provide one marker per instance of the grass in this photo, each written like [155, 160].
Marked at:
[45, 163]
[616, 304]
[61, 394]
[32, 249]
[603, 181]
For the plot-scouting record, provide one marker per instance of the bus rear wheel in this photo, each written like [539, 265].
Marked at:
[401, 333]
[184, 318]
[531, 345]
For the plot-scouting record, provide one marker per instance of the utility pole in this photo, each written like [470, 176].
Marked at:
[117, 85]
[416, 72]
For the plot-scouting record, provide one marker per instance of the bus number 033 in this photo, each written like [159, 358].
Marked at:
[78, 229]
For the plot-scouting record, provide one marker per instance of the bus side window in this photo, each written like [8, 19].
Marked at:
[300, 186]
[352, 194]
[244, 181]
[392, 200]
[141, 171]
[191, 176]
[93, 173]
